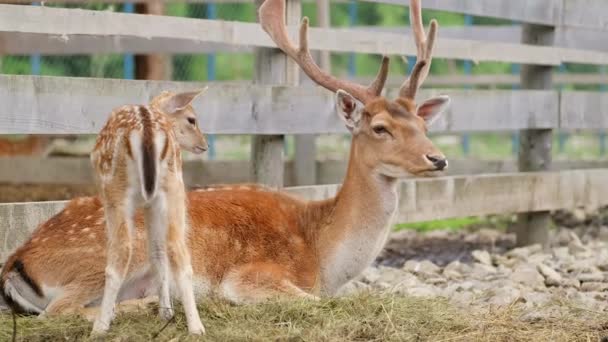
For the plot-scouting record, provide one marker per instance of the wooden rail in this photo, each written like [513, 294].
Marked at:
[48, 105]
[77, 171]
[573, 13]
[421, 199]
[62, 24]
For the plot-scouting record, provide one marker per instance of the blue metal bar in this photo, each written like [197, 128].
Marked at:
[35, 60]
[128, 59]
[212, 75]
[352, 21]
[466, 139]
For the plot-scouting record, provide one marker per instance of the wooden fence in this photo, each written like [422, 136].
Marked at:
[277, 105]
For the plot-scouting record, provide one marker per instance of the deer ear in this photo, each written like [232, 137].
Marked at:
[349, 109]
[180, 101]
[432, 108]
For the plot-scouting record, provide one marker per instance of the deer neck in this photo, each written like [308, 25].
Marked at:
[358, 225]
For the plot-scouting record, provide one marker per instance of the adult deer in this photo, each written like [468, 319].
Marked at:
[249, 243]
[32, 145]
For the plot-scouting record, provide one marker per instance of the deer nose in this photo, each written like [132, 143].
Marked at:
[440, 163]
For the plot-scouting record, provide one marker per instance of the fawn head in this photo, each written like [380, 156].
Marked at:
[390, 137]
[178, 108]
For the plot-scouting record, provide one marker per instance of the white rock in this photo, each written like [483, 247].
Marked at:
[535, 298]
[482, 256]
[562, 253]
[504, 296]
[436, 281]
[569, 282]
[422, 291]
[425, 268]
[395, 276]
[575, 245]
[482, 271]
[528, 275]
[552, 278]
[594, 286]
[456, 270]
[502, 260]
[591, 277]
[371, 275]
[602, 234]
[524, 252]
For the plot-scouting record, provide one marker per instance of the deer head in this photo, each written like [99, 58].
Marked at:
[178, 107]
[388, 136]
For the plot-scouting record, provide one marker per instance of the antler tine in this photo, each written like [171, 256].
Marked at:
[272, 19]
[424, 47]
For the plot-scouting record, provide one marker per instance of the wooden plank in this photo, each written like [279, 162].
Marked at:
[586, 13]
[584, 110]
[565, 36]
[18, 220]
[77, 171]
[580, 13]
[50, 105]
[546, 12]
[64, 23]
[28, 43]
[420, 200]
[540, 110]
[535, 145]
[495, 80]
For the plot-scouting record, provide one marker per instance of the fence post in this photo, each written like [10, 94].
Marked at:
[152, 66]
[602, 134]
[535, 144]
[562, 136]
[273, 67]
[305, 156]
[211, 75]
[465, 138]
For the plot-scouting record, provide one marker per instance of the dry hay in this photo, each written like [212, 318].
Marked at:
[364, 317]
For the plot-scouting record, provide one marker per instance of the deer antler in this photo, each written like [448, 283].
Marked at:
[424, 46]
[272, 19]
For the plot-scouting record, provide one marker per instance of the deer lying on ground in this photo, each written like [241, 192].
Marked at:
[137, 163]
[249, 243]
[32, 145]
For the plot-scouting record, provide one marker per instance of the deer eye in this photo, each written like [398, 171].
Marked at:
[192, 121]
[380, 129]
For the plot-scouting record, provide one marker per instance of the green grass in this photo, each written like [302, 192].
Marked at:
[450, 224]
[365, 317]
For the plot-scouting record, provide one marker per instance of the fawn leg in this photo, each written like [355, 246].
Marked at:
[119, 232]
[182, 268]
[156, 220]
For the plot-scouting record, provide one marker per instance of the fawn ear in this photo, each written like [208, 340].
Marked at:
[179, 101]
[432, 108]
[349, 109]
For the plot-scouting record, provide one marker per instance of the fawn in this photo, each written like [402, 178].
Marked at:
[250, 243]
[137, 162]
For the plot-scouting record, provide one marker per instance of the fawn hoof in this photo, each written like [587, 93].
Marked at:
[99, 329]
[165, 313]
[199, 330]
